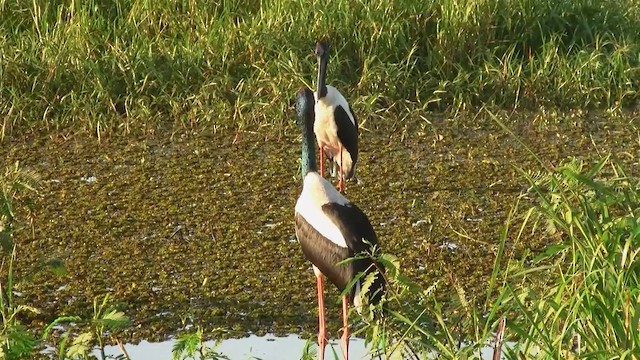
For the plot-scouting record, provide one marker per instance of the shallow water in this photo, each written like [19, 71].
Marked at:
[266, 347]
[200, 225]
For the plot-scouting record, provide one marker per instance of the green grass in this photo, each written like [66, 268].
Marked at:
[595, 287]
[578, 298]
[129, 65]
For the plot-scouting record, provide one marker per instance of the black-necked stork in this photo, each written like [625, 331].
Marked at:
[336, 128]
[331, 229]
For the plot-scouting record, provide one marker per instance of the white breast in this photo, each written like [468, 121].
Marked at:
[325, 126]
[316, 192]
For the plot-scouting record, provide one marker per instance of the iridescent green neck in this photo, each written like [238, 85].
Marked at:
[306, 116]
[308, 152]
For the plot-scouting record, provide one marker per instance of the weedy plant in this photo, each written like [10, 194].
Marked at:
[193, 346]
[590, 308]
[577, 298]
[416, 325]
[15, 340]
[104, 322]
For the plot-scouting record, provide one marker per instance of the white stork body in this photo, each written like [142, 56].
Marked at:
[335, 127]
[336, 130]
[331, 229]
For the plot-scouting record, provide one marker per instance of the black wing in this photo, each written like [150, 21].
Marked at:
[360, 238]
[324, 254]
[353, 224]
[347, 131]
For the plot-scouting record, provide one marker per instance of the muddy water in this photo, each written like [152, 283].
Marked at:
[200, 224]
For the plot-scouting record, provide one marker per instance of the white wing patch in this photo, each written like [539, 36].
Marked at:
[316, 192]
[325, 107]
[325, 127]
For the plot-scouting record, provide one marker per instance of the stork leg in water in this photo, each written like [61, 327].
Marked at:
[341, 180]
[321, 162]
[345, 329]
[341, 174]
[322, 332]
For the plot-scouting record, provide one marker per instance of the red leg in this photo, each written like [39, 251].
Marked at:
[341, 174]
[322, 332]
[345, 328]
[321, 161]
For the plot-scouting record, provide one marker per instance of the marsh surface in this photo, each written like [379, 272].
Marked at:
[200, 224]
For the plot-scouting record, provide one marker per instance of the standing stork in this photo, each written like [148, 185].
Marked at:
[331, 229]
[336, 128]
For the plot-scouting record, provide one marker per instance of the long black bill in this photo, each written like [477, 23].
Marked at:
[322, 51]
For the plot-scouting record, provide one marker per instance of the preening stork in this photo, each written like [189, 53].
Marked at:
[331, 229]
[336, 128]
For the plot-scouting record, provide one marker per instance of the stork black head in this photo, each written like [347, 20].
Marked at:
[305, 111]
[322, 53]
[304, 107]
[322, 50]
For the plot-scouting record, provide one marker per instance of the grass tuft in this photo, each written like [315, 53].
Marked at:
[139, 65]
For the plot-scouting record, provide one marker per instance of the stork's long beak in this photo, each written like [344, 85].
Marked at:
[322, 52]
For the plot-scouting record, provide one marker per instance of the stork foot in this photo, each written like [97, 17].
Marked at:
[322, 344]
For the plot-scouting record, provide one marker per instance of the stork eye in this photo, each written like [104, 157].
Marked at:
[321, 48]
